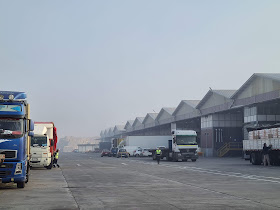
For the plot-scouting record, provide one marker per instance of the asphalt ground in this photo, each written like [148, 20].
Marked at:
[88, 181]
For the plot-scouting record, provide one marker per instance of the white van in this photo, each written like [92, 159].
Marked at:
[133, 150]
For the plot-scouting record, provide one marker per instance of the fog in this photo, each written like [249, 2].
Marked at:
[89, 65]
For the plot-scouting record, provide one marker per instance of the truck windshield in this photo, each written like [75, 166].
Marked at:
[184, 140]
[39, 141]
[11, 128]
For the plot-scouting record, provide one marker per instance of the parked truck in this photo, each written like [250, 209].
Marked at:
[15, 131]
[253, 147]
[181, 145]
[43, 145]
[151, 142]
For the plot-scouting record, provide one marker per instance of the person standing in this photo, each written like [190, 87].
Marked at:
[266, 149]
[56, 155]
[158, 154]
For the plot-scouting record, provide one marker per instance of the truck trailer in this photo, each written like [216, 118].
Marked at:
[150, 142]
[181, 145]
[254, 145]
[43, 145]
[15, 131]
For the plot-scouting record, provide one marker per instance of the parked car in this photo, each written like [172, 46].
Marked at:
[137, 152]
[131, 149]
[122, 153]
[75, 150]
[146, 153]
[114, 152]
[105, 152]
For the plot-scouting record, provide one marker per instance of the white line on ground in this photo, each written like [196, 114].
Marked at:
[222, 173]
[124, 164]
[78, 165]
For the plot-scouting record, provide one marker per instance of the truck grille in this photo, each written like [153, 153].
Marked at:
[9, 154]
[4, 173]
[6, 165]
[187, 150]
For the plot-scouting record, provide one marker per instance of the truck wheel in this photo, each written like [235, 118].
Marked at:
[20, 184]
[167, 157]
[255, 159]
[193, 160]
[50, 166]
[174, 157]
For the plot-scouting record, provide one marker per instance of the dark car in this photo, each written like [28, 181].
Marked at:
[114, 152]
[105, 152]
[122, 153]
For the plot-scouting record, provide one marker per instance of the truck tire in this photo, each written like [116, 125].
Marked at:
[167, 157]
[50, 166]
[193, 160]
[255, 158]
[174, 157]
[20, 184]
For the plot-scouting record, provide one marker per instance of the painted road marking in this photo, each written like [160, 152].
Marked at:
[78, 165]
[124, 164]
[217, 172]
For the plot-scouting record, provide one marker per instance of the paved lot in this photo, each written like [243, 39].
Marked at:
[88, 181]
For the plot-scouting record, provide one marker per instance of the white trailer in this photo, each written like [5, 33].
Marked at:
[149, 142]
[254, 148]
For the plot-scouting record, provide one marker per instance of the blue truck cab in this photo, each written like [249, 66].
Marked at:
[15, 132]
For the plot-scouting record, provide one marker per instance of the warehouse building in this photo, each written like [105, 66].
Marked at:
[220, 118]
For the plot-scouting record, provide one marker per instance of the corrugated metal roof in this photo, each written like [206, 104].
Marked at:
[140, 119]
[169, 110]
[192, 103]
[153, 115]
[224, 93]
[273, 76]
[119, 127]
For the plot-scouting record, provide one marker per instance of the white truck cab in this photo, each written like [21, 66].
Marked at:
[40, 148]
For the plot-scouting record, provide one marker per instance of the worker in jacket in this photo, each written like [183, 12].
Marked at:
[56, 155]
[158, 154]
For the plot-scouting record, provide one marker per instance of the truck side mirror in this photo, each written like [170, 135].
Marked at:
[31, 133]
[52, 142]
[31, 125]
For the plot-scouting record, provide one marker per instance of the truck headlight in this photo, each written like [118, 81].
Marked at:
[18, 168]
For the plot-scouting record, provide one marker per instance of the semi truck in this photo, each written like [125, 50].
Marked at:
[15, 131]
[253, 146]
[43, 145]
[181, 145]
[150, 142]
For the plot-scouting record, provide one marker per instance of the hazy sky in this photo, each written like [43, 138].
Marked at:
[89, 65]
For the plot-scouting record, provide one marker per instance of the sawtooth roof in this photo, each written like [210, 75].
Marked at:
[273, 76]
[119, 128]
[138, 118]
[225, 93]
[152, 115]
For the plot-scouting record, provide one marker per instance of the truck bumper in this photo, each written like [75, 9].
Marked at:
[188, 156]
[40, 162]
[7, 172]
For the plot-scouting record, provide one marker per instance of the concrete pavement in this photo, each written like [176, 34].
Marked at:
[87, 181]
